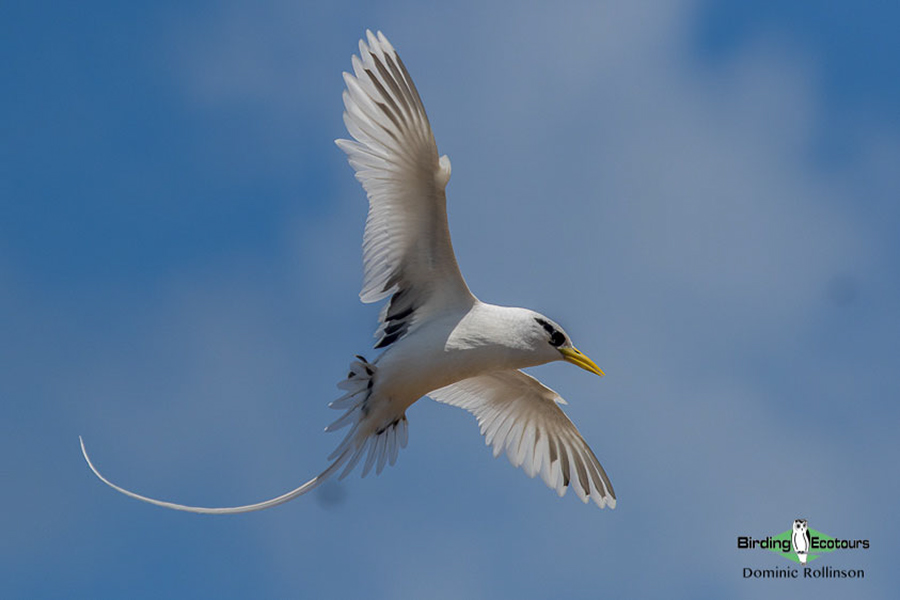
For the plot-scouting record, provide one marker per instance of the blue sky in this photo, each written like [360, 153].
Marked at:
[704, 196]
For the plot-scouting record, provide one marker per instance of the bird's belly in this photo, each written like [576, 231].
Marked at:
[405, 374]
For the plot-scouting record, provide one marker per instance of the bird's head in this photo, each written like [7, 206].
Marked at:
[551, 338]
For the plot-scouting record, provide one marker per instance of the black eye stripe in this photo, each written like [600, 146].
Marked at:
[556, 338]
[547, 326]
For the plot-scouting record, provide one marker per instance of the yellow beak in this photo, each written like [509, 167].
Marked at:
[574, 356]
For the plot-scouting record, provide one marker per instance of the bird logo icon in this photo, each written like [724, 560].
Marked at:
[800, 540]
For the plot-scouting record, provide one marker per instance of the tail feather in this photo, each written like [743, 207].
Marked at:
[230, 510]
[379, 449]
[373, 452]
[354, 459]
[381, 442]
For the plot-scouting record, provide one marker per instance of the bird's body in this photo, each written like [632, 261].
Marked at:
[444, 350]
[456, 346]
[437, 338]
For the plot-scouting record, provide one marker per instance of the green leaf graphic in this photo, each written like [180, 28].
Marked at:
[784, 541]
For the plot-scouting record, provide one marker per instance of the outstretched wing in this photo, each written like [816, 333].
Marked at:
[520, 415]
[406, 247]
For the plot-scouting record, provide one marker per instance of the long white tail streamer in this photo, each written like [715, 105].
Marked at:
[382, 441]
[306, 487]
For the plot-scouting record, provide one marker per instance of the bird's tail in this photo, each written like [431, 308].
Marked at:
[229, 510]
[383, 439]
[802, 556]
[383, 443]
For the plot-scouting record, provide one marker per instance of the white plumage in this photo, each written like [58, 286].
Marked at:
[520, 416]
[438, 339]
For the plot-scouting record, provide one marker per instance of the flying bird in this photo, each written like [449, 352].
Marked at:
[437, 338]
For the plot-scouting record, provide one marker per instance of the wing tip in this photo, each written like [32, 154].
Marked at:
[443, 173]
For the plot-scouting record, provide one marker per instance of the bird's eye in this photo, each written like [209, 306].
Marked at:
[557, 339]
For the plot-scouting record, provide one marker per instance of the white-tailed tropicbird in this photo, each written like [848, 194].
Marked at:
[438, 339]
